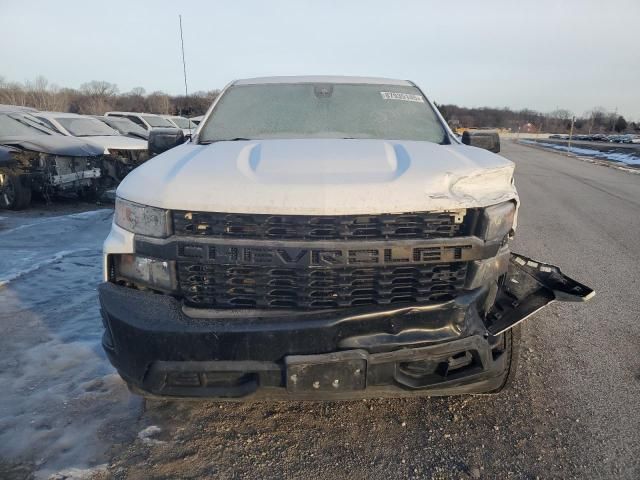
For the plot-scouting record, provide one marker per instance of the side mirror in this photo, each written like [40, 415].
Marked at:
[487, 140]
[163, 139]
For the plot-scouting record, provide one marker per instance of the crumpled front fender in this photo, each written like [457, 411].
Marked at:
[528, 287]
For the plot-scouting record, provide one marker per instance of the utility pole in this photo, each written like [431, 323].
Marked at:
[573, 119]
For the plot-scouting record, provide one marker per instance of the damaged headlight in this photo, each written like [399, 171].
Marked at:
[151, 272]
[496, 221]
[142, 219]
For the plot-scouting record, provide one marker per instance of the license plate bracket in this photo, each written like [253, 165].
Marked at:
[332, 372]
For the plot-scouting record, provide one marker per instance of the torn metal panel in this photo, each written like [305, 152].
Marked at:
[528, 287]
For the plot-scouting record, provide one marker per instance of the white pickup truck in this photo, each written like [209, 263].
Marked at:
[320, 237]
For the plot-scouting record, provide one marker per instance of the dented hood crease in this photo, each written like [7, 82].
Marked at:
[321, 177]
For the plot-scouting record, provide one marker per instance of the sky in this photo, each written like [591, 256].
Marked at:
[539, 54]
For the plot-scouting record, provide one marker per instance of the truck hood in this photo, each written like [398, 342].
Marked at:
[321, 177]
[54, 145]
[118, 142]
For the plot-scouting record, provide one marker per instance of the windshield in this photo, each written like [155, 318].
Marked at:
[156, 121]
[85, 126]
[124, 125]
[18, 126]
[182, 122]
[389, 112]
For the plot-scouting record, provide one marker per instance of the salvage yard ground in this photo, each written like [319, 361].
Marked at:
[572, 414]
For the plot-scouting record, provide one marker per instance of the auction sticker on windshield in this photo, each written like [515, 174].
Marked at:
[407, 97]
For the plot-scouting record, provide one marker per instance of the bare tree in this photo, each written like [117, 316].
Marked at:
[158, 102]
[138, 92]
[100, 89]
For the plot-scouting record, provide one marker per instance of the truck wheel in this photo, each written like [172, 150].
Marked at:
[91, 193]
[511, 348]
[14, 193]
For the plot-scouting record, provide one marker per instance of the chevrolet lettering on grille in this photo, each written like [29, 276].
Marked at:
[304, 257]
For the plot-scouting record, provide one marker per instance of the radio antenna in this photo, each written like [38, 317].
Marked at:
[184, 64]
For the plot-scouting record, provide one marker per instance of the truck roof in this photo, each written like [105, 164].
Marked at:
[322, 79]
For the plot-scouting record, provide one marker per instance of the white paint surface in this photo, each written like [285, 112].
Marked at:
[321, 177]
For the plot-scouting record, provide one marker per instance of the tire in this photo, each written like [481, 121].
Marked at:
[510, 348]
[15, 193]
[91, 194]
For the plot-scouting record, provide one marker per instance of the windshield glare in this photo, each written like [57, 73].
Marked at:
[388, 112]
[182, 122]
[156, 121]
[11, 126]
[124, 125]
[85, 127]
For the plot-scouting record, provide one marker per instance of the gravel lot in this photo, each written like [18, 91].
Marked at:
[574, 411]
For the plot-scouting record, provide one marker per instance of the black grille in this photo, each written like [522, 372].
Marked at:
[304, 227]
[242, 286]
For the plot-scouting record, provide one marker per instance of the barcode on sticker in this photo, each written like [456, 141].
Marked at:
[407, 97]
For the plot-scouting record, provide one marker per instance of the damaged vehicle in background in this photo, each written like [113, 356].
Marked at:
[320, 238]
[148, 121]
[184, 124]
[36, 159]
[125, 127]
[122, 153]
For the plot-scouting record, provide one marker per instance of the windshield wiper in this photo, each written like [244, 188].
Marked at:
[96, 135]
[235, 139]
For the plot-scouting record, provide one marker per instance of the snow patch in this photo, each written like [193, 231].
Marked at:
[632, 158]
[146, 434]
[62, 405]
[71, 216]
[79, 473]
[4, 280]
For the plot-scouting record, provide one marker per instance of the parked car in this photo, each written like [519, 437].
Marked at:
[35, 158]
[148, 121]
[620, 138]
[186, 125]
[122, 153]
[336, 242]
[197, 120]
[125, 126]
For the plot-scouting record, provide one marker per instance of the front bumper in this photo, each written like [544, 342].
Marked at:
[161, 348]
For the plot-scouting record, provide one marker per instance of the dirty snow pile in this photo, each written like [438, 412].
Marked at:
[630, 158]
[61, 405]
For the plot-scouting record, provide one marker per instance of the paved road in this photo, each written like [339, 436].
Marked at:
[574, 411]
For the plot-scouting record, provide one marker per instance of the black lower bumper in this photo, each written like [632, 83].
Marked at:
[161, 348]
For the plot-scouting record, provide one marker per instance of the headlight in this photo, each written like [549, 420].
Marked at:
[136, 218]
[153, 273]
[497, 221]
